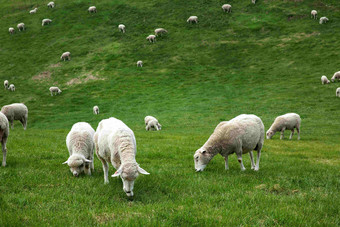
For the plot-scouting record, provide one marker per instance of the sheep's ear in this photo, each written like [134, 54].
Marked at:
[117, 173]
[65, 162]
[202, 151]
[142, 171]
[88, 161]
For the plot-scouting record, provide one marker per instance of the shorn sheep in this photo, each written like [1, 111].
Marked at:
[324, 80]
[160, 31]
[11, 87]
[11, 30]
[336, 76]
[226, 8]
[337, 92]
[152, 124]
[116, 143]
[51, 5]
[6, 84]
[139, 63]
[21, 26]
[95, 110]
[4, 133]
[46, 21]
[323, 20]
[151, 38]
[192, 19]
[55, 90]
[240, 135]
[16, 111]
[314, 14]
[121, 28]
[33, 11]
[92, 9]
[80, 145]
[66, 56]
[288, 121]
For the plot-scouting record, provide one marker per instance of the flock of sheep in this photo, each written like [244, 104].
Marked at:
[114, 142]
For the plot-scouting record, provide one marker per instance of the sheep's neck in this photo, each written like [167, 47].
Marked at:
[127, 151]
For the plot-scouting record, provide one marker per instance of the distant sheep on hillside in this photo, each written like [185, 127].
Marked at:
[11, 30]
[323, 20]
[66, 56]
[6, 84]
[324, 80]
[46, 21]
[51, 5]
[160, 31]
[121, 28]
[11, 87]
[151, 38]
[55, 90]
[253, 1]
[336, 76]
[226, 8]
[16, 111]
[96, 110]
[92, 9]
[337, 92]
[314, 14]
[21, 26]
[288, 121]
[33, 11]
[139, 63]
[192, 19]
[152, 124]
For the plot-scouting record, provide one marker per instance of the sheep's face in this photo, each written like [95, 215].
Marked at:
[270, 134]
[201, 159]
[77, 164]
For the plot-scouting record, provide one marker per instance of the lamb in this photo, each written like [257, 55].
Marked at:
[51, 5]
[96, 110]
[46, 21]
[337, 92]
[336, 76]
[121, 28]
[92, 9]
[152, 124]
[323, 20]
[324, 80]
[192, 19]
[80, 145]
[55, 90]
[314, 14]
[6, 84]
[11, 87]
[66, 55]
[11, 30]
[151, 38]
[239, 135]
[4, 133]
[226, 8]
[253, 1]
[160, 31]
[16, 111]
[116, 143]
[139, 63]
[33, 11]
[21, 26]
[287, 121]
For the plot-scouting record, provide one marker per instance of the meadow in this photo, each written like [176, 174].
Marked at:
[264, 59]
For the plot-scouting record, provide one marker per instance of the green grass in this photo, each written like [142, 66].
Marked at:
[265, 59]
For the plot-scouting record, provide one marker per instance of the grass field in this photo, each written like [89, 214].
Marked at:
[265, 59]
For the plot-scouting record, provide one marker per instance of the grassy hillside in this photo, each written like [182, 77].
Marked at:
[265, 59]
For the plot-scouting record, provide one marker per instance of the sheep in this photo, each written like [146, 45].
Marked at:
[80, 145]
[51, 5]
[4, 133]
[336, 76]
[55, 90]
[33, 11]
[92, 9]
[139, 63]
[192, 19]
[324, 80]
[253, 1]
[96, 110]
[11, 30]
[160, 31]
[323, 20]
[314, 14]
[151, 38]
[6, 84]
[115, 142]
[11, 87]
[226, 8]
[337, 92]
[239, 135]
[287, 121]
[45, 21]
[16, 111]
[66, 55]
[21, 26]
[121, 28]
[151, 123]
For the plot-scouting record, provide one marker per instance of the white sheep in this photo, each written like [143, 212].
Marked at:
[66, 56]
[253, 1]
[151, 38]
[323, 20]
[226, 8]
[139, 63]
[324, 80]
[314, 14]
[116, 143]
[288, 121]
[92, 9]
[33, 11]
[11, 30]
[96, 110]
[51, 5]
[21, 26]
[4, 133]
[80, 145]
[121, 28]
[337, 92]
[192, 19]
[16, 111]
[152, 124]
[11, 87]
[6, 84]
[336, 76]
[46, 21]
[240, 135]
[160, 31]
[55, 90]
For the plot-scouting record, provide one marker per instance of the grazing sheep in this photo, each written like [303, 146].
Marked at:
[11, 30]
[51, 5]
[55, 90]
[152, 124]
[240, 135]
[6, 84]
[33, 11]
[253, 1]
[4, 133]
[160, 31]
[287, 121]
[11, 87]
[323, 20]
[336, 76]
[337, 92]
[314, 14]
[46, 21]
[116, 143]
[151, 38]
[66, 55]
[226, 8]
[21, 26]
[121, 28]
[192, 19]
[80, 145]
[16, 111]
[324, 80]
[92, 9]
[139, 63]
[96, 110]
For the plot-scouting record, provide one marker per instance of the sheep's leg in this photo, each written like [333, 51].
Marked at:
[87, 169]
[298, 131]
[12, 124]
[105, 165]
[252, 160]
[291, 134]
[282, 133]
[226, 162]
[257, 167]
[239, 159]
[4, 150]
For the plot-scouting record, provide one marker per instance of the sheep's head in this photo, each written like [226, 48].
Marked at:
[77, 164]
[59, 91]
[201, 159]
[129, 172]
[270, 134]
